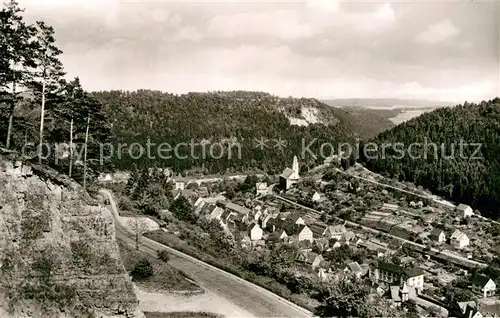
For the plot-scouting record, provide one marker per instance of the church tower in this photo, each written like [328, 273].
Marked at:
[295, 166]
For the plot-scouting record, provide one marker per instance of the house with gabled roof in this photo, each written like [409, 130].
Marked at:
[299, 232]
[466, 309]
[318, 229]
[464, 210]
[355, 269]
[334, 231]
[392, 274]
[261, 188]
[214, 212]
[459, 239]
[254, 232]
[277, 236]
[309, 258]
[483, 285]
[437, 235]
[315, 196]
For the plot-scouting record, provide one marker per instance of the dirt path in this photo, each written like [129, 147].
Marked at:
[208, 302]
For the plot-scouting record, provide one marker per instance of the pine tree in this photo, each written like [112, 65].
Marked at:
[69, 115]
[48, 74]
[16, 59]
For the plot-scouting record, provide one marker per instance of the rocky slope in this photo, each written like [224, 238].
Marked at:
[58, 253]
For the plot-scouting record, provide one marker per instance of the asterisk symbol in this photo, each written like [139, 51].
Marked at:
[280, 144]
[260, 143]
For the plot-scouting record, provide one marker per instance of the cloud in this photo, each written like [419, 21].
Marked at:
[327, 5]
[284, 24]
[315, 48]
[188, 33]
[438, 33]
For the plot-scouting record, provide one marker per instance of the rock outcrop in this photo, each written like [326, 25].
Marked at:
[58, 254]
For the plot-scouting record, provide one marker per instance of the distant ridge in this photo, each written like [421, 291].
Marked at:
[385, 102]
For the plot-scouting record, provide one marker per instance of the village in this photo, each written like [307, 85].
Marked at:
[405, 246]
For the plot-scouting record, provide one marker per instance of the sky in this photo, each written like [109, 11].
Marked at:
[435, 50]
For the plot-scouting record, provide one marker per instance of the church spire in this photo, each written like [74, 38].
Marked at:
[295, 166]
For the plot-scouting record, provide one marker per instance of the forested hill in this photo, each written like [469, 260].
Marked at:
[461, 178]
[220, 116]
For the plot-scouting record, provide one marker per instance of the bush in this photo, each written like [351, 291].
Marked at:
[142, 269]
[164, 255]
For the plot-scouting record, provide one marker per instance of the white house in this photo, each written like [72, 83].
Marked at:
[302, 232]
[317, 197]
[261, 188]
[255, 232]
[464, 210]
[335, 231]
[214, 213]
[179, 185]
[469, 309]
[483, 285]
[459, 240]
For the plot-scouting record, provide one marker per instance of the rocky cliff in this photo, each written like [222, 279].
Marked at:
[58, 253]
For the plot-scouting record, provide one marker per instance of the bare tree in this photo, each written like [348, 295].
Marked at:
[85, 154]
[139, 227]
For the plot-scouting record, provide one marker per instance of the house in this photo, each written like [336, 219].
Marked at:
[277, 236]
[255, 232]
[317, 197]
[199, 202]
[401, 294]
[392, 274]
[321, 244]
[437, 235]
[464, 210]
[376, 247]
[261, 188]
[459, 239]
[335, 231]
[318, 229]
[179, 183]
[324, 275]
[234, 207]
[245, 240]
[483, 285]
[280, 223]
[309, 258]
[266, 220]
[348, 236]
[335, 159]
[300, 232]
[214, 213]
[355, 269]
[467, 309]
[290, 177]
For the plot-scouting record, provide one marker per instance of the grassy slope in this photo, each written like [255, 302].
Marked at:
[165, 278]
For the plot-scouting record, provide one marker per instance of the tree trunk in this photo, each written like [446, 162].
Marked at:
[137, 240]
[11, 116]
[85, 154]
[71, 147]
[42, 115]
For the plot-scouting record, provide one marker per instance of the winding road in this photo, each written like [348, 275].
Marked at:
[251, 298]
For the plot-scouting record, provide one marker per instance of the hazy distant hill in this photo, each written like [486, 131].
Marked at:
[385, 102]
[372, 121]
